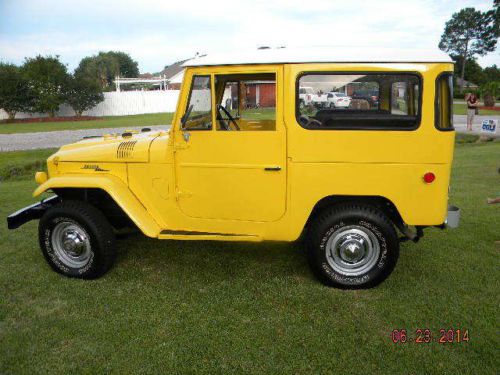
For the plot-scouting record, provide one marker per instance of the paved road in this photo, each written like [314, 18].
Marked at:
[32, 141]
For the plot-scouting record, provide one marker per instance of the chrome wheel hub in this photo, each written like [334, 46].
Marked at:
[352, 250]
[71, 244]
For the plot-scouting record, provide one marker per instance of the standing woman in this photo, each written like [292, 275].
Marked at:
[472, 104]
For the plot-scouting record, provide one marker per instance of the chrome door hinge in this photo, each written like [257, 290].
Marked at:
[181, 146]
[183, 194]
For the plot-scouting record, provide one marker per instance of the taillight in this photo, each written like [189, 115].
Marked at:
[308, 97]
[429, 177]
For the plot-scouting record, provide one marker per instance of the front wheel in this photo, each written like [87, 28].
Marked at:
[352, 246]
[77, 240]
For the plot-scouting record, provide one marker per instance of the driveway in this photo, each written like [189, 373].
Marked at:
[32, 141]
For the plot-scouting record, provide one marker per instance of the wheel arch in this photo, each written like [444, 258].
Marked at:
[382, 203]
[104, 187]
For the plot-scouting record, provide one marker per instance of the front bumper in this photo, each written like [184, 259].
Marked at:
[453, 218]
[33, 212]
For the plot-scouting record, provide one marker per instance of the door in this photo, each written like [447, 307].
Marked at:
[231, 153]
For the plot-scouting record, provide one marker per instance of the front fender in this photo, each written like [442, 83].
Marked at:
[120, 193]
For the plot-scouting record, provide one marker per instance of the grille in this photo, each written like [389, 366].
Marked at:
[125, 149]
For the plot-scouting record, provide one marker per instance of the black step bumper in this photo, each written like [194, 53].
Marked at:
[33, 212]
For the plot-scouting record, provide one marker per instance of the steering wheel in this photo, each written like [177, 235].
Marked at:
[308, 121]
[230, 118]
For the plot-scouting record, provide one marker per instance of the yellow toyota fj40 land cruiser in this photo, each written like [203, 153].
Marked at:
[246, 159]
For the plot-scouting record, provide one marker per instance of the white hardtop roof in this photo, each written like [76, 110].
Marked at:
[323, 55]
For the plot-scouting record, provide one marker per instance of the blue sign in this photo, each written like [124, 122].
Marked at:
[489, 126]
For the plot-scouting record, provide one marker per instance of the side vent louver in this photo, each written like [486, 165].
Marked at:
[125, 149]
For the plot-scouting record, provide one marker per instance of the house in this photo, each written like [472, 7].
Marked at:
[261, 93]
[174, 74]
[466, 84]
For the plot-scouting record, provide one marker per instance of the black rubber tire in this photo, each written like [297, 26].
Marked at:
[336, 217]
[99, 230]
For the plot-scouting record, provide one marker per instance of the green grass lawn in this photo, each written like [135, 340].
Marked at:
[461, 109]
[212, 307]
[105, 122]
[23, 164]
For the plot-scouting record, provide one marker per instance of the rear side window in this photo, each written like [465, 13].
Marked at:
[359, 100]
[444, 102]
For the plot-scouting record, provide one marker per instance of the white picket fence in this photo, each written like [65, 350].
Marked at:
[120, 104]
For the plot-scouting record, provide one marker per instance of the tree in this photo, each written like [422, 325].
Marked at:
[14, 96]
[100, 68]
[127, 66]
[473, 71]
[495, 14]
[105, 66]
[46, 77]
[492, 73]
[82, 94]
[469, 33]
[490, 91]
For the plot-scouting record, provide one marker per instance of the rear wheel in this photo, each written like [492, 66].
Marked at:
[352, 246]
[77, 240]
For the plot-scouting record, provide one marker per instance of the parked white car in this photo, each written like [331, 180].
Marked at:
[338, 100]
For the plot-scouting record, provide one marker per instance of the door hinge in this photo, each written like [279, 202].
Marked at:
[183, 194]
[181, 146]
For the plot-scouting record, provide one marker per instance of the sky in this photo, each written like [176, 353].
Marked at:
[159, 32]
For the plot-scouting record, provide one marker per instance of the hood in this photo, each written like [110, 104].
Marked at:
[110, 148]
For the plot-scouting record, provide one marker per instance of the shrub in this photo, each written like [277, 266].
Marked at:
[490, 91]
[46, 78]
[14, 96]
[82, 93]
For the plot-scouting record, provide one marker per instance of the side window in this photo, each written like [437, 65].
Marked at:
[404, 98]
[444, 102]
[246, 102]
[358, 101]
[198, 115]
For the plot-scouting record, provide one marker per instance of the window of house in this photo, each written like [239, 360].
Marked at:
[198, 115]
[246, 102]
[359, 101]
[444, 102]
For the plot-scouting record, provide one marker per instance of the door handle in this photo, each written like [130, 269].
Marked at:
[272, 169]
